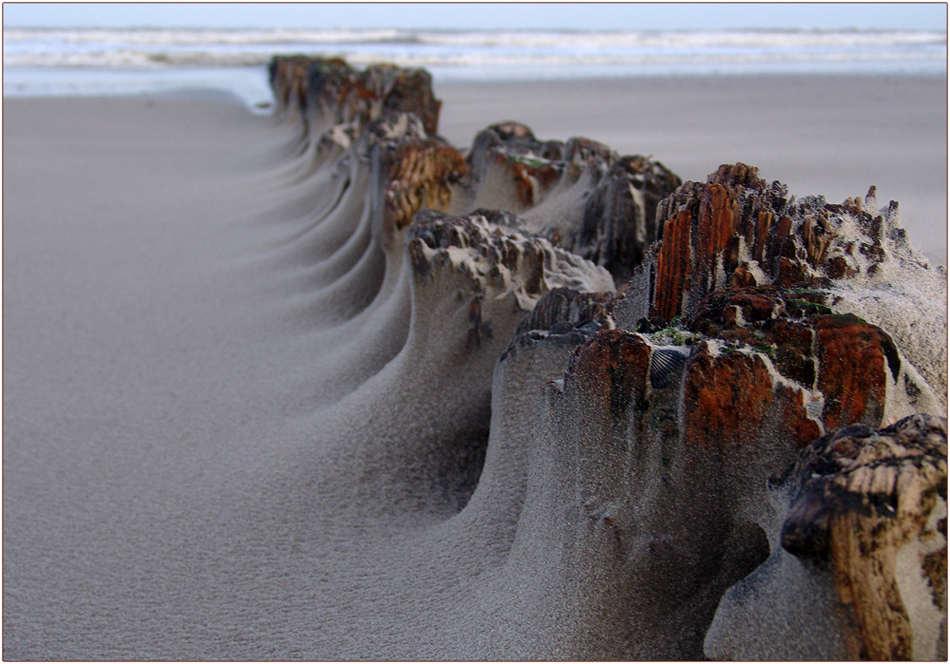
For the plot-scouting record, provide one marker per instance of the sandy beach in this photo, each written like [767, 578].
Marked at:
[169, 352]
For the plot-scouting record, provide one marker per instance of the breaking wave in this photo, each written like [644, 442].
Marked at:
[760, 50]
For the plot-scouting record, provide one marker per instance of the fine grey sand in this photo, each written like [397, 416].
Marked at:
[169, 356]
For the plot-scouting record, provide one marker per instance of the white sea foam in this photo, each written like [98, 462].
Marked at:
[102, 61]
[123, 48]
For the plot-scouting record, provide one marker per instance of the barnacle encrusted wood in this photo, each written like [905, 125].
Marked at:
[611, 222]
[737, 230]
[645, 360]
[492, 256]
[852, 370]
[873, 505]
[620, 214]
[330, 85]
[288, 80]
[566, 308]
[421, 174]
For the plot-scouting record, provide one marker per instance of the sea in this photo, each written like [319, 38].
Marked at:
[43, 62]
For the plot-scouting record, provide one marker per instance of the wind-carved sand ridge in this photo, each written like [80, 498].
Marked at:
[650, 419]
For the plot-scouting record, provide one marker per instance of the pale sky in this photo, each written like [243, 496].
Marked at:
[487, 16]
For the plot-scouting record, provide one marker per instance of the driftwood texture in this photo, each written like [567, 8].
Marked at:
[655, 398]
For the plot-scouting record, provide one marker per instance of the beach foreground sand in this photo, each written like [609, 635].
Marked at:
[167, 360]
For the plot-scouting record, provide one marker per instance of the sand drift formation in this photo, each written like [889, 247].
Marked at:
[653, 419]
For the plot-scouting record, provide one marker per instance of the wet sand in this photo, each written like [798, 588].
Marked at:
[163, 364]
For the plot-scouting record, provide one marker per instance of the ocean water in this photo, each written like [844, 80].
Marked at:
[70, 62]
